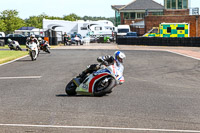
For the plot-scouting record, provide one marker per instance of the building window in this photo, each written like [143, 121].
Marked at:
[140, 15]
[173, 4]
[176, 4]
[168, 4]
[126, 15]
[180, 4]
[132, 15]
[185, 6]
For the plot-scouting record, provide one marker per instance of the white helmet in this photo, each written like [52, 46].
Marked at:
[9, 40]
[32, 37]
[39, 39]
[119, 56]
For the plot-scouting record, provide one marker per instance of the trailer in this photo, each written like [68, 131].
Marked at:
[85, 28]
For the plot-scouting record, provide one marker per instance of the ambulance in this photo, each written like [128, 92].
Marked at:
[169, 30]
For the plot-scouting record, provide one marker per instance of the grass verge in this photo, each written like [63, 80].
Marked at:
[6, 56]
[6, 47]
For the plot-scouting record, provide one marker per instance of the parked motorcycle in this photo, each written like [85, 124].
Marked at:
[98, 83]
[33, 50]
[45, 47]
[14, 45]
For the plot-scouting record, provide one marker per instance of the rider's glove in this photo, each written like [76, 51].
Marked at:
[100, 59]
[105, 63]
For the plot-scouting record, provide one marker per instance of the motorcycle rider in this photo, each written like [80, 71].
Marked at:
[41, 41]
[32, 39]
[116, 61]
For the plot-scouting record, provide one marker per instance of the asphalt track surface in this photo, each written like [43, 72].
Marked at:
[161, 93]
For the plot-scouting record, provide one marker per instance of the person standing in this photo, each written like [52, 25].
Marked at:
[65, 39]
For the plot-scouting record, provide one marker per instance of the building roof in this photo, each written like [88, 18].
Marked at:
[139, 5]
[117, 7]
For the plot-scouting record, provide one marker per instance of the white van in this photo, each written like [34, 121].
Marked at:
[122, 30]
[2, 34]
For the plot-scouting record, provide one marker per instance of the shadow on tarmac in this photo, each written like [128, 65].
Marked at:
[24, 60]
[65, 95]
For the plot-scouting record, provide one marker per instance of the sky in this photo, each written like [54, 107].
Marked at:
[59, 8]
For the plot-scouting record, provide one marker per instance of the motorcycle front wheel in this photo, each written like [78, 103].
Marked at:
[47, 49]
[33, 54]
[71, 89]
[19, 48]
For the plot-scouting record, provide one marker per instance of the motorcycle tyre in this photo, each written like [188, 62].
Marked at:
[71, 91]
[32, 54]
[47, 50]
[19, 48]
[105, 91]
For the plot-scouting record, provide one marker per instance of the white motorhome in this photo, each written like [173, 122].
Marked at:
[122, 30]
[27, 31]
[101, 27]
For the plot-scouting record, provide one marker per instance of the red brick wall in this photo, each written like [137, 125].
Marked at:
[140, 31]
[176, 12]
[154, 21]
[122, 17]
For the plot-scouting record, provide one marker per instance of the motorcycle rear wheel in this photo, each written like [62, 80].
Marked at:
[71, 89]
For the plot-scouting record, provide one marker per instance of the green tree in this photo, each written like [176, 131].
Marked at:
[11, 20]
[2, 26]
[35, 21]
[71, 17]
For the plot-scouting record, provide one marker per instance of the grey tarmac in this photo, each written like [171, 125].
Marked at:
[160, 94]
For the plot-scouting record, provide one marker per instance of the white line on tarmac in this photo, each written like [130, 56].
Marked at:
[105, 128]
[25, 77]
[13, 60]
[183, 55]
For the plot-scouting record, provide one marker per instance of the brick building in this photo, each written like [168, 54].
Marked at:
[176, 11]
[173, 11]
[135, 11]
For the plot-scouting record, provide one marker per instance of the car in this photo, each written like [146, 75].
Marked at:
[131, 35]
[15, 35]
[93, 39]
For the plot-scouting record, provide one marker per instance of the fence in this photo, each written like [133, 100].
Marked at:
[22, 40]
[159, 41]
